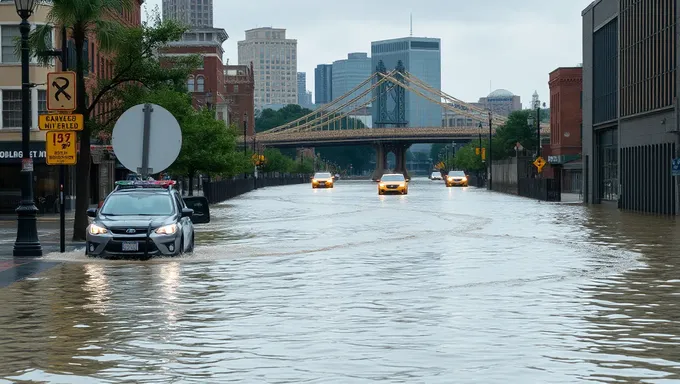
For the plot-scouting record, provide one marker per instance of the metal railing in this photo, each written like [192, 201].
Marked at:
[222, 190]
[541, 189]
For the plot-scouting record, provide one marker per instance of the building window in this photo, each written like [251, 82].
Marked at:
[607, 156]
[200, 84]
[605, 73]
[42, 102]
[190, 85]
[9, 35]
[11, 108]
[235, 88]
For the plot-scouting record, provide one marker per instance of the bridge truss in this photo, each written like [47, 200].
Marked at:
[342, 114]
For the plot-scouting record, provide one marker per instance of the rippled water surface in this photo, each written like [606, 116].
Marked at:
[293, 285]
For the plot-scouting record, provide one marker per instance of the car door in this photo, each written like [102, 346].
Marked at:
[187, 225]
[201, 209]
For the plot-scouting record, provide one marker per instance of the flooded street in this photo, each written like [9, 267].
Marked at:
[292, 285]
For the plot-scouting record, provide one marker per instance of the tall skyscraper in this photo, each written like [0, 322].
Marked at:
[349, 73]
[302, 87]
[421, 57]
[194, 13]
[323, 83]
[274, 59]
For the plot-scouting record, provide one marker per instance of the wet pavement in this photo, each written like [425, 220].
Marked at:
[340, 286]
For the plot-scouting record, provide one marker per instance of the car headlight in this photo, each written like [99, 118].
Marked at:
[97, 229]
[167, 230]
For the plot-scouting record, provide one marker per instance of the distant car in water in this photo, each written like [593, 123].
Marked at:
[456, 178]
[322, 180]
[436, 176]
[393, 183]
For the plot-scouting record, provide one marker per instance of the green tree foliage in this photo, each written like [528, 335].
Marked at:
[515, 130]
[278, 162]
[357, 156]
[467, 158]
[208, 145]
[135, 60]
[270, 118]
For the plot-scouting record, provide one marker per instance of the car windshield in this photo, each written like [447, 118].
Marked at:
[393, 178]
[435, 173]
[457, 174]
[143, 204]
[322, 175]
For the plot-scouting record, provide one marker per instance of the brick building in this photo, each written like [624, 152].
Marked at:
[240, 89]
[564, 152]
[99, 65]
[206, 84]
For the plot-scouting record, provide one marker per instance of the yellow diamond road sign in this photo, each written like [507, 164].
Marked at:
[539, 163]
[60, 122]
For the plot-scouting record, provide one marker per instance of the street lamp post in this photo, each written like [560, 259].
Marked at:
[208, 100]
[490, 163]
[27, 242]
[245, 139]
[538, 127]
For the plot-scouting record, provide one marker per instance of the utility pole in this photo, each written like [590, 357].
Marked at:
[490, 164]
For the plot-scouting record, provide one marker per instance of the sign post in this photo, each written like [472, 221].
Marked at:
[62, 128]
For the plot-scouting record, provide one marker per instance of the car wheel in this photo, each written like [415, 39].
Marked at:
[192, 244]
[180, 250]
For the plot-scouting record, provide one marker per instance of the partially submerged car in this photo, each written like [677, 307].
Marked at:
[144, 219]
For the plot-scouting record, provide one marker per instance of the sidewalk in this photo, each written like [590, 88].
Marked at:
[48, 234]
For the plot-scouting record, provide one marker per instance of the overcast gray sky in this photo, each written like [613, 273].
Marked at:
[508, 44]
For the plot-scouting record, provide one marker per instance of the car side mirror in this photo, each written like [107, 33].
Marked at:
[92, 212]
[187, 212]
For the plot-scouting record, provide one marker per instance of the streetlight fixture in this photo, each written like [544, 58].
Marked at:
[208, 100]
[27, 243]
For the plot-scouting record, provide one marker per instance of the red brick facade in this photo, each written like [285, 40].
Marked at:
[566, 87]
[206, 84]
[101, 64]
[240, 89]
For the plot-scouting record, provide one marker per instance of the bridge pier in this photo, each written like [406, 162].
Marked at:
[400, 157]
[381, 151]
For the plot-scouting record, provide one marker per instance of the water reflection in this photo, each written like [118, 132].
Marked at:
[296, 285]
[634, 318]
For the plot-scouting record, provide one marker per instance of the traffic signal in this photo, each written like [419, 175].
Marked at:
[477, 151]
[483, 153]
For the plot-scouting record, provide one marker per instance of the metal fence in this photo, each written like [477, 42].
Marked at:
[222, 190]
[541, 189]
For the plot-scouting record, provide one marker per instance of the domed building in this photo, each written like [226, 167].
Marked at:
[501, 101]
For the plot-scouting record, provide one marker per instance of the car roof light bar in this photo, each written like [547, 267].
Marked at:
[145, 184]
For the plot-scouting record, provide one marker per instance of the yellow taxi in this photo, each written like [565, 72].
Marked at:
[456, 178]
[393, 183]
[322, 180]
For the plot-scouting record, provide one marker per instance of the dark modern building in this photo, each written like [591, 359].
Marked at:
[630, 125]
[323, 83]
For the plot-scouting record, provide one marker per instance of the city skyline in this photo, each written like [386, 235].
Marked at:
[519, 37]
